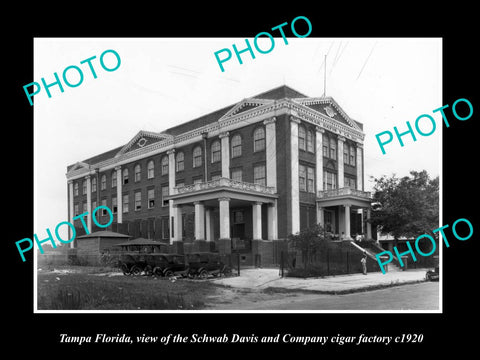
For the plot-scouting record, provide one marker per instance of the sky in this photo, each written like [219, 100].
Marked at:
[163, 82]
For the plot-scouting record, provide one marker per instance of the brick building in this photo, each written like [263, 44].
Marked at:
[239, 178]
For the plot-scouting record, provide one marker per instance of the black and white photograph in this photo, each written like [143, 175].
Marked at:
[278, 188]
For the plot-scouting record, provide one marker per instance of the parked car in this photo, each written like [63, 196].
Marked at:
[167, 265]
[203, 264]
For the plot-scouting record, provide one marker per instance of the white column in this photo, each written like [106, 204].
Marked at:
[89, 203]
[70, 210]
[369, 226]
[271, 151]
[272, 221]
[319, 159]
[224, 207]
[171, 184]
[320, 216]
[340, 175]
[177, 222]
[257, 220]
[208, 224]
[225, 154]
[295, 192]
[347, 222]
[359, 167]
[199, 220]
[118, 169]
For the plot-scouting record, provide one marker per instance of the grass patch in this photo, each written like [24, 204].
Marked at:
[80, 291]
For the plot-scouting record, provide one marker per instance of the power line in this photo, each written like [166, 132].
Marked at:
[366, 60]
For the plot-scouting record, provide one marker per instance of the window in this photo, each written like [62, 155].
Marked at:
[237, 175]
[151, 198]
[75, 209]
[236, 146]
[138, 175]
[345, 153]
[84, 187]
[329, 180]
[165, 165]
[125, 204]
[310, 180]
[103, 182]
[350, 182]
[150, 170]
[75, 189]
[198, 180]
[259, 139]
[310, 146]
[94, 184]
[301, 137]
[180, 161]
[259, 174]
[114, 179]
[197, 156]
[114, 205]
[94, 205]
[216, 151]
[165, 228]
[333, 149]
[302, 178]
[165, 192]
[138, 201]
[352, 155]
[84, 207]
[104, 203]
[180, 183]
[125, 176]
[325, 145]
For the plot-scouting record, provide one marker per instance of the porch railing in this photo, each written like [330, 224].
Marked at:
[345, 191]
[222, 182]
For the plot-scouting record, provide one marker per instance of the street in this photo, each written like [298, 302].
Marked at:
[421, 296]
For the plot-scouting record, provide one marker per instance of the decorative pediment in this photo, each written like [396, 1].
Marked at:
[329, 108]
[245, 105]
[79, 165]
[143, 139]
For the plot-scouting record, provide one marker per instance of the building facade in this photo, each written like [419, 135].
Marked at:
[238, 178]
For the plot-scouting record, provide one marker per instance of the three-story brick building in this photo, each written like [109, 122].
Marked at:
[241, 177]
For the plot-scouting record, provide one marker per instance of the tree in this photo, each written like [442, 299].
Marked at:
[308, 241]
[409, 205]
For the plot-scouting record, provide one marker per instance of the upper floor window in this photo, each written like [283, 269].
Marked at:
[301, 137]
[138, 174]
[84, 187]
[150, 170]
[302, 178]
[310, 179]
[350, 182]
[75, 189]
[237, 174]
[216, 151]
[138, 201]
[180, 161]
[236, 146]
[310, 146]
[151, 198]
[325, 145]
[352, 155]
[103, 182]
[345, 153]
[94, 184]
[165, 165]
[125, 176]
[259, 139]
[125, 201]
[114, 205]
[197, 156]
[114, 178]
[333, 148]
[165, 192]
[329, 180]
[259, 174]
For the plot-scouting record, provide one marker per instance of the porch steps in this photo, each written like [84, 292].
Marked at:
[393, 266]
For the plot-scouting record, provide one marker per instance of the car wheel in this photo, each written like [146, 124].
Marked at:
[125, 269]
[158, 271]
[168, 273]
[148, 270]
[136, 270]
[203, 274]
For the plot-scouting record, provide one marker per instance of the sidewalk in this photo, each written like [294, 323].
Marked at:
[260, 279]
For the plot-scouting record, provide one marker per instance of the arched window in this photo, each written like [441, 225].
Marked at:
[197, 156]
[94, 184]
[259, 139]
[75, 189]
[310, 146]
[216, 151]
[138, 175]
[114, 178]
[125, 176]
[150, 169]
[180, 161]
[103, 182]
[301, 137]
[333, 148]
[236, 146]
[165, 165]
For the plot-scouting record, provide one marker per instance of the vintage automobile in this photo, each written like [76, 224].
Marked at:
[203, 264]
[433, 275]
[167, 265]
